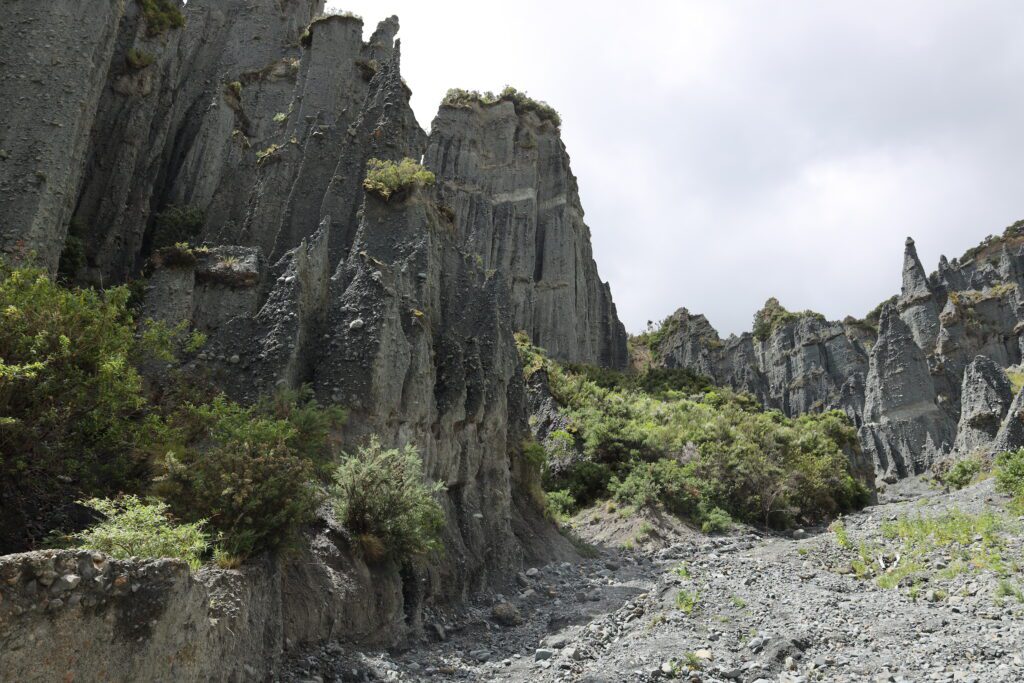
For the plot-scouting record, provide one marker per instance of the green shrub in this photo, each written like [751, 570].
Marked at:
[177, 225]
[664, 482]
[386, 178]
[138, 59]
[690, 452]
[131, 528]
[380, 494]
[716, 521]
[1009, 472]
[687, 601]
[560, 504]
[243, 472]
[73, 419]
[161, 15]
[586, 481]
[962, 473]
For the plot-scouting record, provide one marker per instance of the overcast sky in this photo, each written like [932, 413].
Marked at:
[732, 151]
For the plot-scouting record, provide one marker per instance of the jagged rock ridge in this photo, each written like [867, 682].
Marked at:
[922, 381]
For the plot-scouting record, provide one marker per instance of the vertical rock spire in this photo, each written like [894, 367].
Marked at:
[915, 280]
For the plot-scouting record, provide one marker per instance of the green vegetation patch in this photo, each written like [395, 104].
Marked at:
[523, 103]
[177, 224]
[78, 423]
[709, 456]
[138, 59]
[1009, 473]
[161, 15]
[962, 473]
[907, 552]
[382, 498]
[773, 315]
[389, 178]
[133, 528]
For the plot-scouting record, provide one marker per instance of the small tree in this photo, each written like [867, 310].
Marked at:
[381, 497]
[134, 528]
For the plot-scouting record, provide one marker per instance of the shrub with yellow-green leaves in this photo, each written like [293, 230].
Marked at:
[696, 449]
[386, 179]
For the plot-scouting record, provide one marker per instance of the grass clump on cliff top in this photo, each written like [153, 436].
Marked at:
[161, 15]
[773, 315]
[523, 103]
[701, 452]
[382, 499]
[387, 178]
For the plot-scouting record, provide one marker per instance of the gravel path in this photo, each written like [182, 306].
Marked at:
[746, 607]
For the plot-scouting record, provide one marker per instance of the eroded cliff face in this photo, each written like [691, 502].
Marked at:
[923, 382]
[399, 310]
[506, 177]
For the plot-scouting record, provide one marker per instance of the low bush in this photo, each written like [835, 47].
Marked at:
[386, 178]
[138, 59]
[962, 473]
[381, 497]
[1009, 473]
[663, 482]
[132, 528]
[161, 15]
[560, 504]
[244, 471]
[716, 521]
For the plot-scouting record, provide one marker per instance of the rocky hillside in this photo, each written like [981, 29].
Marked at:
[922, 376]
[214, 155]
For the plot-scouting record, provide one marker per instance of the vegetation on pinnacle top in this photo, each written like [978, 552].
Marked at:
[523, 103]
[773, 315]
[692, 449]
[989, 248]
[386, 178]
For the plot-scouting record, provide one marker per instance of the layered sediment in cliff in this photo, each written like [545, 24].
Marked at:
[255, 126]
[505, 175]
[922, 378]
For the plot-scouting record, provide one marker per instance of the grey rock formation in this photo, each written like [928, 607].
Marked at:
[800, 368]
[84, 616]
[911, 383]
[506, 176]
[917, 306]
[904, 427]
[984, 402]
[55, 57]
